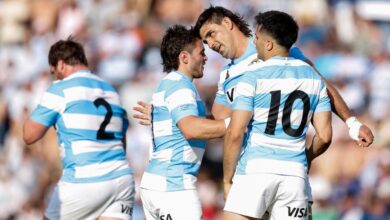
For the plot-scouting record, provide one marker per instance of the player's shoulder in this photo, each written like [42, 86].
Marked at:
[175, 81]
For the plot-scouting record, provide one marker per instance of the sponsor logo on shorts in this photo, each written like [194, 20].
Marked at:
[126, 209]
[166, 217]
[296, 212]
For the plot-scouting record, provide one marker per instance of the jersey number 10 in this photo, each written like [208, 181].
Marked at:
[286, 122]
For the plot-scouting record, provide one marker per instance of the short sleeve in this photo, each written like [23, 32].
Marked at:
[49, 108]
[245, 94]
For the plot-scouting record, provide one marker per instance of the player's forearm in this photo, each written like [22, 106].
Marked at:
[339, 107]
[220, 111]
[231, 151]
[317, 147]
[200, 128]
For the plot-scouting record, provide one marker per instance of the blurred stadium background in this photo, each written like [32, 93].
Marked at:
[349, 42]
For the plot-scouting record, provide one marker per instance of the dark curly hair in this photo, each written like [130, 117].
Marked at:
[70, 51]
[176, 39]
[216, 14]
[281, 26]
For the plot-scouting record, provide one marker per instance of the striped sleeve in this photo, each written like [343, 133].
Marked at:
[324, 101]
[245, 94]
[182, 103]
[50, 107]
[220, 96]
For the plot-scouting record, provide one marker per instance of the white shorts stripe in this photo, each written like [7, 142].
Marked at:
[276, 166]
[154, 182]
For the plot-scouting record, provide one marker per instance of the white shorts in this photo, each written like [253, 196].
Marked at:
[184, 204]
[283, 197]
[113, 198]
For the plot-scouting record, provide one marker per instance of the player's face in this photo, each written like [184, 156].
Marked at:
[219, 38]
[260, 42]
[197, 60]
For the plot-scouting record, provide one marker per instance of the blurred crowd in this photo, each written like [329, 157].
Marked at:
[348, 41]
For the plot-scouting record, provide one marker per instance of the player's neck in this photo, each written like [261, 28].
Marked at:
[184, 70]
[73, 69]
[277, 52]
[241, 43]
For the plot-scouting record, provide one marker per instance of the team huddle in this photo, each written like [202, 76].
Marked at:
[267, 96]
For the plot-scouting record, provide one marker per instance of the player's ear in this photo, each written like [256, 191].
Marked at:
[269, 43]
[184, 57]
[227, 23]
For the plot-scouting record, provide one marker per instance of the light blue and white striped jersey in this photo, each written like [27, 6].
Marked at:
[231, 73]
[175, 161]
[283, 93]
[90, 124]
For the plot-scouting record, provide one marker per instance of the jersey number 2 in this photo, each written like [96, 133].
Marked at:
[274, 111]
[102, 134]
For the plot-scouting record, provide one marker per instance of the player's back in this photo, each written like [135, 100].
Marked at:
[175, 161]
[91, 124]
[285, 93]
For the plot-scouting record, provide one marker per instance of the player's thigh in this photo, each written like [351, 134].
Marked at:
[291, 200]
[122, 207]
[183, 204]
[257, 191]
[80, 200]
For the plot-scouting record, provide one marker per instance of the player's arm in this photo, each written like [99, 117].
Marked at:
[322, 123]
[183, 106]
[232, 145]
[220, 111]
[357, 131]
[33, 131]
[194, 127]
[360, 133]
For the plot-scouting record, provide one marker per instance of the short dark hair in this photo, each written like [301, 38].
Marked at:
[70, 51]
[176, 39]
[216, 15]
[281, 26]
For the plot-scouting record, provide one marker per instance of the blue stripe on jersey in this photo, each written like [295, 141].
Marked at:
[86, 82]
[282, 72]
[88, 107]
[98, 157]
[221, 99]
[276, 154]
[68, 176]
[44, 116]
[279, 132]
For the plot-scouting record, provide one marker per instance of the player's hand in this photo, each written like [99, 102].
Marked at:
[226, 189]
[144, 113]
[365, 137]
